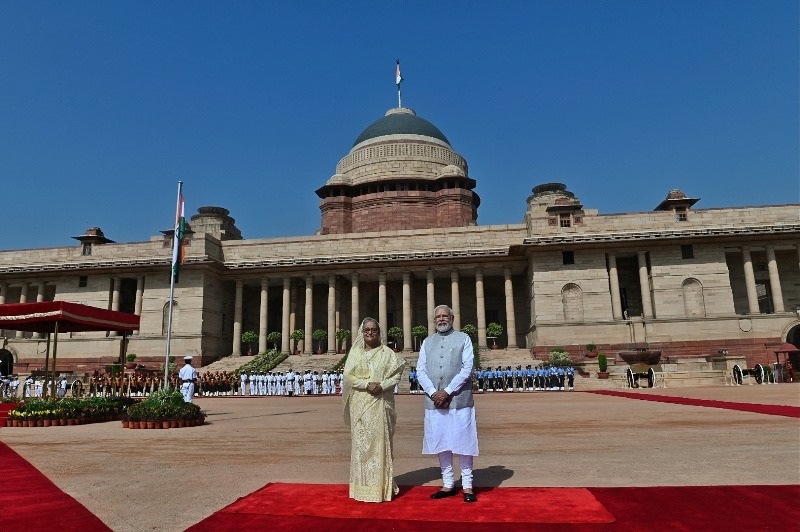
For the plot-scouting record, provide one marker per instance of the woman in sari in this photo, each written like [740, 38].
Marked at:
[370, 375]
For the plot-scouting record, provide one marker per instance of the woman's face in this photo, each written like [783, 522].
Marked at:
[372, 334]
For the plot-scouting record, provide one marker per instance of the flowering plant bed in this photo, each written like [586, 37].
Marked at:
[164, 409]
[35, 412]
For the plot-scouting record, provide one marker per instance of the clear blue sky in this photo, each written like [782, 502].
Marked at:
[105, 105]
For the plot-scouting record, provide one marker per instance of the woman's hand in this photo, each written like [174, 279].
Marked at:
[374, 388]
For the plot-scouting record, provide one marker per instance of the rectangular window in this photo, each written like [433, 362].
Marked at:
[568, 257]
[680, 214]
[687, 252]
[552, 221]
[565, 220]
[83, 281]
[578, 220]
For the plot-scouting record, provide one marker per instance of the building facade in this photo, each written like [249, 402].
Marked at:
[398, 236]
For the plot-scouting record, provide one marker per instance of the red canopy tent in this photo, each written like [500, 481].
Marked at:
[61, 316]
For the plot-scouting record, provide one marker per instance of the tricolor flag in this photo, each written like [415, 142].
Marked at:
[397, 77]
[178, 253]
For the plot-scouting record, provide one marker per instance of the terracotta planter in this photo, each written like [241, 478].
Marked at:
[130, 365]
[165, 424]
[181, 423]
[173, 424]
[602, 374]
[591, 354]
[135, 424]
[40, 423]
[126, 424]
[150, 424]
[62, 422]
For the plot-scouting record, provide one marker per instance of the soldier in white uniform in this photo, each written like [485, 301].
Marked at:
[243, 387]
[307, 378]
[188, 378]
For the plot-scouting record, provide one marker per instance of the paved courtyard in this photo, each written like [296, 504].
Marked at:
[171, 479]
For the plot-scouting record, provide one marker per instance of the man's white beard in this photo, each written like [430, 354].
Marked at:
[443, 327]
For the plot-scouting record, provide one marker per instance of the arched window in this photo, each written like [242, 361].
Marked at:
[693, 303]
[165, 316]
[572, 302]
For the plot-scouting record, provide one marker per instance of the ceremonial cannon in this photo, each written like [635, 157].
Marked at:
[756, 372]
[649, 375]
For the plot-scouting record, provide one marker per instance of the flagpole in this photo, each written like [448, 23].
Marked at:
[175, 250]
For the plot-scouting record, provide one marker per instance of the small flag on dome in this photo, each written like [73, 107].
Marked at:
[398, 78]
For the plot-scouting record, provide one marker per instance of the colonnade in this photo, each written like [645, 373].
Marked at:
[334, 319]
[749, 274]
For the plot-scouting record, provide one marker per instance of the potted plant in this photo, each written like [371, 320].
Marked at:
[559, 357]
[419, 332]
[297, 335]
[130, 359]
[320, 335]
[602, 365]
[248, 337]
[341, 337]
[471, 330]
[274, 337]
[493, 330]
[591, 350]
[395, 333]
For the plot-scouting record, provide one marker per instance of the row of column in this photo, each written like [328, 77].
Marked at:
[288, 316]
[749, 277]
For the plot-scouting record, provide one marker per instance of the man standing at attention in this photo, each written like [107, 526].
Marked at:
[444, 372]
[187, 376]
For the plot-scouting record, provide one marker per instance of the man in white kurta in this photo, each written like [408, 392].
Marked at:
[444, 372]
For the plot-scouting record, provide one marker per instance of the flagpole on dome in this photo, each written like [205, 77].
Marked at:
[177, 260]
[397, 80]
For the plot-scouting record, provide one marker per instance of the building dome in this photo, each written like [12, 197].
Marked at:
[400, 121]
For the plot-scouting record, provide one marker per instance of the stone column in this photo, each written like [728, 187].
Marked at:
[137, 306]
[237, 318]
[382, 313]
[285, 331]
[115, 299]
[511, 319]
[355, 318]
[40, 286]
[3, 297]
[644, 285]
[407, 341]
[331, 313]
[293, 302]
[23, 298]
[480, 307]
[262, 315]
[613, 286]
[431, 302]
[750, 282]
[456, 305]
[308, 347]
[774, 280]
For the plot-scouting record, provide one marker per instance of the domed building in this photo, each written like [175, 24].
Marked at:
[684, 281]
[400, 163]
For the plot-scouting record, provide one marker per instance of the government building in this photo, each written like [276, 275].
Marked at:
[398, 235]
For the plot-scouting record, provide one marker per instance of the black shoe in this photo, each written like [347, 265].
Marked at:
[470, 497]
[441, 494]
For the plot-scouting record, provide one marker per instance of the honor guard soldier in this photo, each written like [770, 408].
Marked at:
[518, 376]
[528, 378]
[571, 378]
[188, 377]
[479, 374]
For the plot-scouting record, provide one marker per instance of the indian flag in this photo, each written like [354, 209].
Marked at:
[397, 77]
[178, 252]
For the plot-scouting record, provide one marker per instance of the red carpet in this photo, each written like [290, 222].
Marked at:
[773, 410]
[30, 501]
[496, 506]
[327, 507]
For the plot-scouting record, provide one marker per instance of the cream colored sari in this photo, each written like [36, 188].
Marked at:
[371, 419]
